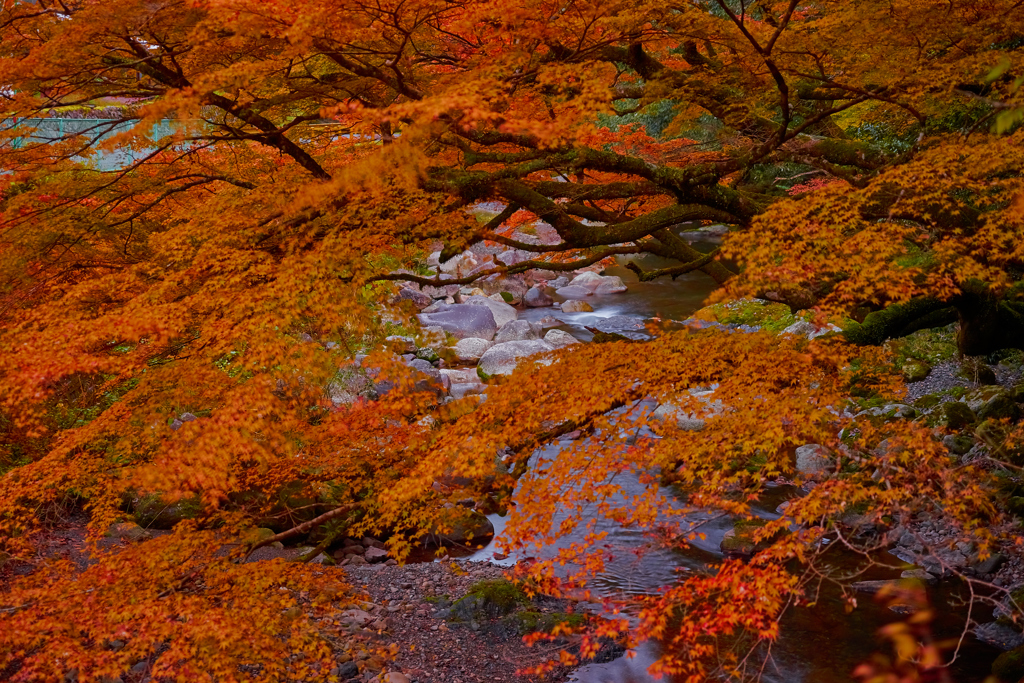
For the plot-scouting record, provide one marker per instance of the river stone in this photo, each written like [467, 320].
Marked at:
[461, 375]
[464, 389]
[421, 365]
[500, 311]
[460, 265]
[549, 321]
[669, 411]
[808, 329]
[536, 297]
[812, 459]
[576, 306]
[501, 359]
[999, 635]
[560, 338]
[400, 345]
[464, 320]
[573, 292]
[611, 284]
[374, 555]
[589, 280]
[515, 330]
[418, 299]
[471, 349]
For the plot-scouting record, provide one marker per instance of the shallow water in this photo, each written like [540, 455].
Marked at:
[822, 644]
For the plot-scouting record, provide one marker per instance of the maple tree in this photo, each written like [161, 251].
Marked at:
[317, 148]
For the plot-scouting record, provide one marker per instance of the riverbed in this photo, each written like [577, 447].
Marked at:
[823, 644]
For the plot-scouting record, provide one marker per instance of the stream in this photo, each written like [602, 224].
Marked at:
[821, 644]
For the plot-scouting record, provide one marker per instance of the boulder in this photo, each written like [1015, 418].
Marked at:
[976, 370]
[375, 555]
[809, 329]
[400, 345]
[576, 306]
[999, 635]
[958, 415]
[501, 359]
[464, 389]
[470, 349]
[466, 292]
[537, 297]
[588, 280]
[670, 412]
[464, 264]
[153, 512]
[560, 338]
[560, 281]
[464, 320]
[611, 284]
[812, 460]
[915, 370]
[1009, 666]
[500, 311]
[418, 299]
[428, 354]
[573, 292]
[461, 375]
[515, 330]
[998, 407]
[958, 444]
[471, 526]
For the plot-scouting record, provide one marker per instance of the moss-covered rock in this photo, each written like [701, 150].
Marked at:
[899, 320]
[769, 316]
[153, 511]
[490, 599]
[958, 415]
[999, 407]
[529, 622]
[1009, 666]
[915, 370]
[428, 354]
[975, 370]
[739, 541]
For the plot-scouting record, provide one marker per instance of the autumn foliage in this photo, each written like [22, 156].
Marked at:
[865, 154]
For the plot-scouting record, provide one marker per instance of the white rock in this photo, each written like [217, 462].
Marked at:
[611, 284]
[576, 306]
[668, 411]
[515, 330]
[463, 389]
[587, 280]
[560, 338]
[501, 359]
[812, 459]
[501, 311]
[470, 349]
[573, 291]
[461, 375]
[809, 329]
